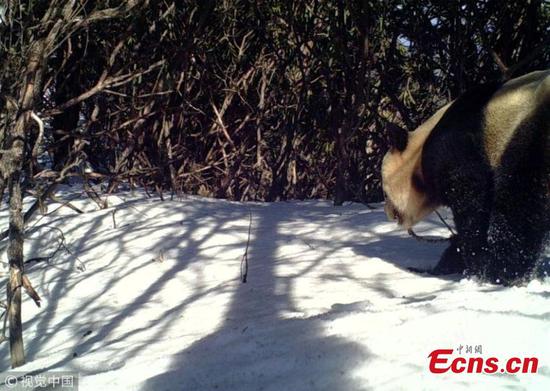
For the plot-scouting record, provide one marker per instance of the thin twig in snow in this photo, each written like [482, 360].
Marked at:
[244, 260]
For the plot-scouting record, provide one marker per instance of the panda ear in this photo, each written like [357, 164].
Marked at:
[397, 136]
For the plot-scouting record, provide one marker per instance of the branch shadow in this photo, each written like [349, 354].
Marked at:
[264, 346]
[259, 347]
[97, 315]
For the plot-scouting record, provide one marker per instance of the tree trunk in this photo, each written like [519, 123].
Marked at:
[12, 165]
[15, 256]
[340, 190]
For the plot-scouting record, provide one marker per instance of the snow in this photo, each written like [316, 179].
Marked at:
[156, 303]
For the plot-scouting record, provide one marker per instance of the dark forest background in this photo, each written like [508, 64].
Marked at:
[246, 100]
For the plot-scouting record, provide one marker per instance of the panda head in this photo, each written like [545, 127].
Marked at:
[504, 107]
[407, 197]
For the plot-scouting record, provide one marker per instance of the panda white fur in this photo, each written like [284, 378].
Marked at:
[486, 155]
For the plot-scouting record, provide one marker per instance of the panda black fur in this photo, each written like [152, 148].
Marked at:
[486, 156]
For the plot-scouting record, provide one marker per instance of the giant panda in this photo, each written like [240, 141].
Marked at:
[485, 155]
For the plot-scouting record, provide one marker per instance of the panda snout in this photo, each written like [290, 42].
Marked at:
[391, 213]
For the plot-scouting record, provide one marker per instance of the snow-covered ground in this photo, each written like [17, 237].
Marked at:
[156, 302]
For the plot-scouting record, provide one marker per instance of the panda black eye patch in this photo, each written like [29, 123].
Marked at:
[418, 183]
